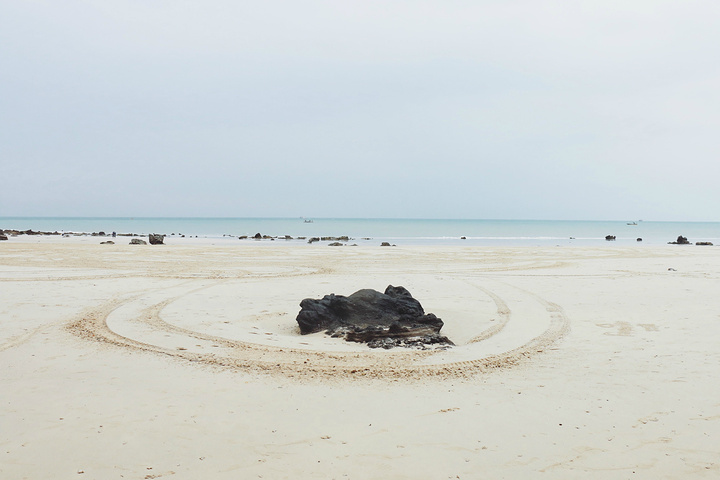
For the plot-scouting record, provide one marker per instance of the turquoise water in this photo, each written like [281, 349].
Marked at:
[398, 231]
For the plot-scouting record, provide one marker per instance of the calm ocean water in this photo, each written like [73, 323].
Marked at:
[398, 231]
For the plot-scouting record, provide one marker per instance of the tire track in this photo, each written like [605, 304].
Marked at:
[503, 311]
[217, 351]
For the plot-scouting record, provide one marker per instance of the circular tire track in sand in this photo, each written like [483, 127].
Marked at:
[137, 322]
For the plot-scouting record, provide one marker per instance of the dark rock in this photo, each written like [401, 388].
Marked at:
[344, 238]
[412, 342]
[639, 239]
[314, 239]
[137, 241]
[609, 238]
[463, 238]
[704, 243]
[680, 241]
[257, 236]
[109, 242]
[242, 237]
[156, 239]
[3, 236]
[385, 244]
[386, 320]
[335, 244]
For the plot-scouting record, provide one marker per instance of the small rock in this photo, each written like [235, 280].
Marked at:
[639, 239]
[3, 236]
[680, 241]
[385, 244]
[156, 239]
[137, 241]
[609, 238]
[703, 243]
[109, 242]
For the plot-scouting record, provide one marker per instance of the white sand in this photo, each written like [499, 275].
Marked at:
[184, 361]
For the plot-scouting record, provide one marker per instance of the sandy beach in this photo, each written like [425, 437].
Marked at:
[184, 361]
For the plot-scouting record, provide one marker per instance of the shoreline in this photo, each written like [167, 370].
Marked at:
[496, 233]
[33, 236]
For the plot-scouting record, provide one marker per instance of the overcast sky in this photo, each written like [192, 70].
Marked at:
[606, 110]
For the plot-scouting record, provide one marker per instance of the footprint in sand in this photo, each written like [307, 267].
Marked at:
[624, 329]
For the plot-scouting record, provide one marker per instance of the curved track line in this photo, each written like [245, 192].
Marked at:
[20, 339]
[293, 362]
[503, 312]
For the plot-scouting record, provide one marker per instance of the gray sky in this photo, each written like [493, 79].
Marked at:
[430, 109]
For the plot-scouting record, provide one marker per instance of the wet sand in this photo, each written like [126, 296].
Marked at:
[185, 361]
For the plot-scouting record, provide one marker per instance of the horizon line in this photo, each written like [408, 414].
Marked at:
[133, 217]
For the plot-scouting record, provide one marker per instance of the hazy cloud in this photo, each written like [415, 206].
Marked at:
[489, 109]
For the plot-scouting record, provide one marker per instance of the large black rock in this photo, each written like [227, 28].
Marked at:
[389, 319]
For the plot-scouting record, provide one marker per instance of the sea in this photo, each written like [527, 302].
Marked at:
[394, 231]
